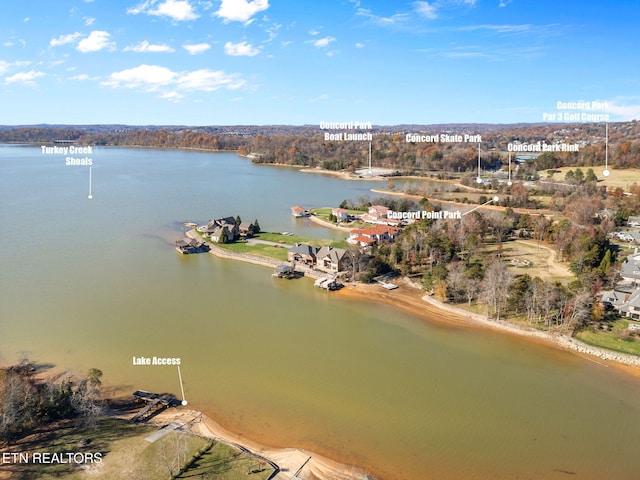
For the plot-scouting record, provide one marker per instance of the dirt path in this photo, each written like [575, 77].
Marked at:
[555, 268]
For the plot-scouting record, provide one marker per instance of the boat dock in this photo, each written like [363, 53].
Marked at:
[328, 283]
[155, 403]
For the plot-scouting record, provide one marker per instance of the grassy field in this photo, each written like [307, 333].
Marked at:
[524, 257]
[271, 251]
[277, 252]
[613, 339]
[126, 454]
[618, 178]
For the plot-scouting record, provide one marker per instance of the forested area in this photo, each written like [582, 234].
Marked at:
[28, 400]
[306, 146]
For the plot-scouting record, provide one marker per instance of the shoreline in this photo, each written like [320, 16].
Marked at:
[431, 310]
[415, 304]
[312, 465]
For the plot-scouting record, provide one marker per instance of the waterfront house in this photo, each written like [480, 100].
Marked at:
[371, 235]
[332, 260]
[302, 253]
[216, 234]
[614, 299]
[299, 212]
[631, 308]
[213, 229]
[341, 214]
[247, 229]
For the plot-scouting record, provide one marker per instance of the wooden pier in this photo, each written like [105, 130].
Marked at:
[155, 403]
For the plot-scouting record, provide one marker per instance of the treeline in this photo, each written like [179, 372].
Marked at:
[27, 401]
[391, 150]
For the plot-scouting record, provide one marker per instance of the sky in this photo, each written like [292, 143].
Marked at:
[295, 62]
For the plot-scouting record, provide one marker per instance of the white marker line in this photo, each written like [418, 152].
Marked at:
[494, 199]
[184, 401]
[90, 196]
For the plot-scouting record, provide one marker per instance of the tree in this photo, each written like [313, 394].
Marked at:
[224, 236]
[256, 226]
[495, 287]
[238, 220]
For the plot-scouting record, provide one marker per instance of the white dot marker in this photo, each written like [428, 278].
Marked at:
[478, 180]
[606, 173]
[370, 172]
[509, 183]
[496, 198]
[89, 196]
[184, 403]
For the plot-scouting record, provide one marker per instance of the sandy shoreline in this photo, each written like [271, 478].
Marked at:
[308, 465]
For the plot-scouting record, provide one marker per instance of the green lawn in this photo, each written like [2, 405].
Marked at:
[613, 340]
[279, 253]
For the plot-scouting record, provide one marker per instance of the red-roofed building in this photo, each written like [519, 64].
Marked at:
[378, 233]
[299, 211]
[341, 214]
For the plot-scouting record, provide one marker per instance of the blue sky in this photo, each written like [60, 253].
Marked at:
[225, 62]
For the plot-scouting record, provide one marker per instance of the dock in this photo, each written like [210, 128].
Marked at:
[155, 403]
[191, 245]
[328, 283]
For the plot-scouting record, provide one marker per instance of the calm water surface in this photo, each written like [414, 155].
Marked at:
[89, 283]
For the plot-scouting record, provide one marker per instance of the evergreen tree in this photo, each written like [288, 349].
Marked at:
[256, 226]
[238, 220]
[224, 237]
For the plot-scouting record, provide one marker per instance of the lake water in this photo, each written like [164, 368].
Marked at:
[92, 283]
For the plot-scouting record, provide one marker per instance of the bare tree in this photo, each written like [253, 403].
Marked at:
[495, 287]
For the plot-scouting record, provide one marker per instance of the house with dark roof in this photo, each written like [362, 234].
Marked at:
[213, 229]
[332, 260]
[246, 229]
[302, 253]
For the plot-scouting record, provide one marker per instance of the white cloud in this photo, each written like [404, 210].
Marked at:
[172, 85]
[624, 108]
[396, 19]
[178, 10]
[8, 43]
[314, 32]
[323, 42]
[359, 45]
[240, 49]
[148, 77]
[4, 66]
[172, 96]
[88, 21]
[28, 78]
[504, 3]
[145, 46]
[81, 77]
[426, 10]
[240, 10]
[64, 39]
[96, 41]
[209, 80]
[197, 48]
